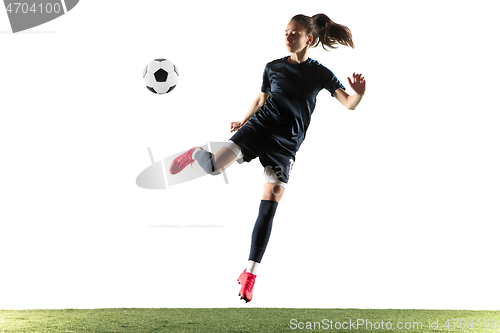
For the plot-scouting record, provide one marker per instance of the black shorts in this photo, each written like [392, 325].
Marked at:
[254, 141]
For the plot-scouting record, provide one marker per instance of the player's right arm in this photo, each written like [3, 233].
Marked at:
[259, 102]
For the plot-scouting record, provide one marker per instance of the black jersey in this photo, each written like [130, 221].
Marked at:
[292, 92]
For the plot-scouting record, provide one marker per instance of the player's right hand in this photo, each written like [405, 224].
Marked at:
[236, 125]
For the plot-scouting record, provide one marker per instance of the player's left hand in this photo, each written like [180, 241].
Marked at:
[358, 84]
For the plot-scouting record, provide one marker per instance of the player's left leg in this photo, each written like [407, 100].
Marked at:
[273, 192]
[263, 225]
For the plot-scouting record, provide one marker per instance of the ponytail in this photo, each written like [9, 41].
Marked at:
[325, 31]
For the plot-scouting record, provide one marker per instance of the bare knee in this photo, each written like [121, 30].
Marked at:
[223, 159]
[273, 192]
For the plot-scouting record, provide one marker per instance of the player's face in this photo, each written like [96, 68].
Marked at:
[296, 37]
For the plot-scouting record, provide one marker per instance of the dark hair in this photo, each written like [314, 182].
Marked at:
[325, 31]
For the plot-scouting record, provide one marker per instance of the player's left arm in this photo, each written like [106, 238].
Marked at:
[358, 84]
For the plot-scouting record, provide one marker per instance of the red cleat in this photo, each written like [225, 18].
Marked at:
[247, 280]
[182, 161]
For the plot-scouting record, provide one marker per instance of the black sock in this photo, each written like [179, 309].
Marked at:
[262, 229]
[206, 161]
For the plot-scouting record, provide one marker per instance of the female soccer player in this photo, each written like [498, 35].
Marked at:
[276, 124]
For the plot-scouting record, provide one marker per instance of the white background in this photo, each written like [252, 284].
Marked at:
[393, 205]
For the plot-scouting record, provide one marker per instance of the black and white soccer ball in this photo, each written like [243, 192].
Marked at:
[161, 76]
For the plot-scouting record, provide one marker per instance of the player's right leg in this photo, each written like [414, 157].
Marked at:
[213, 164]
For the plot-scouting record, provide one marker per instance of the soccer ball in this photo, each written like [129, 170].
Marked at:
[161, 76]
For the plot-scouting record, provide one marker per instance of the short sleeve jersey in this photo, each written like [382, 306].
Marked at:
[292, 92]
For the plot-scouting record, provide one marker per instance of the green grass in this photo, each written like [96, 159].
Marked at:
[243, 320]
